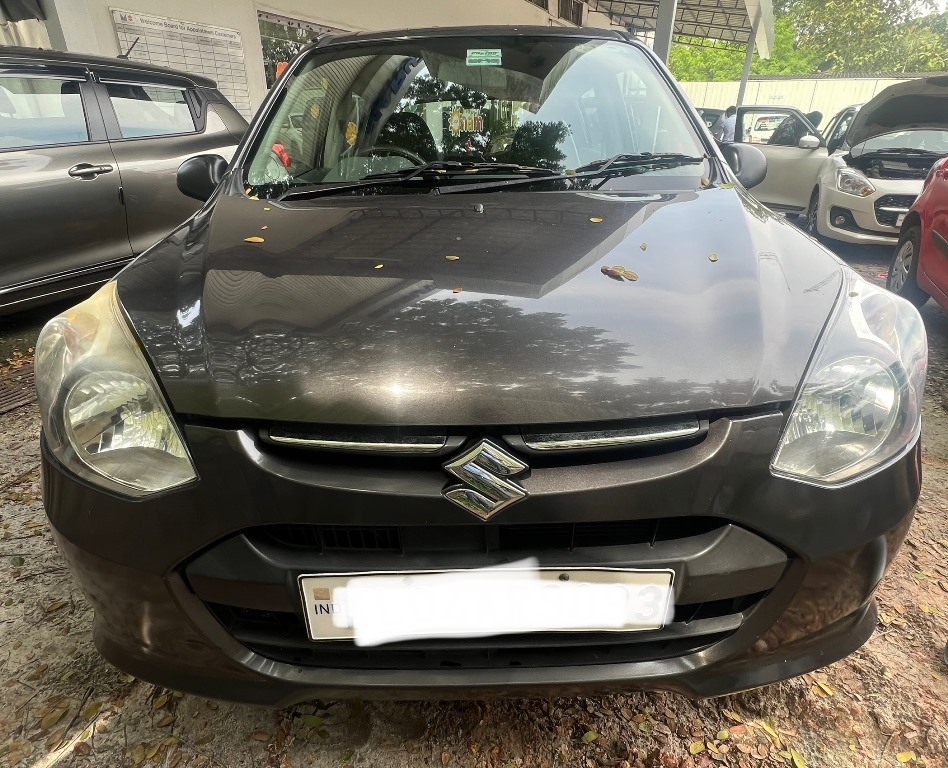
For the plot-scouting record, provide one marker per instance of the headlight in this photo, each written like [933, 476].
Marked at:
[104, 416]
[853, 183]
[860, 406]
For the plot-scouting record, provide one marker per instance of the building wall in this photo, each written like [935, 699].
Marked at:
[86, 25]
[384, 14]
[828, 96]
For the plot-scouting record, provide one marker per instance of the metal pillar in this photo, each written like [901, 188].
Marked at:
[665, 28]
[70, 27]
[748, 59]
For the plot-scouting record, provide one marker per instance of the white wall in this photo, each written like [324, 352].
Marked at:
[828, 96]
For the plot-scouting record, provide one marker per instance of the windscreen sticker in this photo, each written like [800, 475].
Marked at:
[468, 121]
[484, 57]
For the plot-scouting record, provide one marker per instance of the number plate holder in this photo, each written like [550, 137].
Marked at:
[378, 607]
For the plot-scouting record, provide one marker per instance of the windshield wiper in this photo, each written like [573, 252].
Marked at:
[433, 171]
[450, 167]
[609, 168]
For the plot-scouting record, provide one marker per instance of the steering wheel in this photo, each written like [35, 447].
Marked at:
[386, 151]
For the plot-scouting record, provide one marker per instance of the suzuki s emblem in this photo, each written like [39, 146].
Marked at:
[485, 472]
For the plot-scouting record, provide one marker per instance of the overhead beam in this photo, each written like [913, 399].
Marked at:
[727, 20]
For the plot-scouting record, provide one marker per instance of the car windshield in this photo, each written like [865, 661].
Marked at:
[470, 110]
[934, 141]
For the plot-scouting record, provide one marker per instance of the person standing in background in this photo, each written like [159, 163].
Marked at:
[723, 131]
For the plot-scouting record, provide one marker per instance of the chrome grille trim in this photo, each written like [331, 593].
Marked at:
[612, 438]
[365, 444]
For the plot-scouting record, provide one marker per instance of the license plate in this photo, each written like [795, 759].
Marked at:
[900, 219]
[376, 608]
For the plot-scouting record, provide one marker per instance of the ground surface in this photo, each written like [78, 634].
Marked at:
[60, 704]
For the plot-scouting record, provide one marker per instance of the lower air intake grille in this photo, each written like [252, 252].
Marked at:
[282, 637]
[890, 207]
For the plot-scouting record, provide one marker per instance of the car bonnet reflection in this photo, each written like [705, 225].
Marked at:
[397, 310]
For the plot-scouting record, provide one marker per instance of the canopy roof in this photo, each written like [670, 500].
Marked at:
[699, 20]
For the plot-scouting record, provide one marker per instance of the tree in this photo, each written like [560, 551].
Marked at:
[280, 43]
[867, 35]
[832, 35]
[726, 61]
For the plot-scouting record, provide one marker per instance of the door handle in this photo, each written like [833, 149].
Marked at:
[88, 171]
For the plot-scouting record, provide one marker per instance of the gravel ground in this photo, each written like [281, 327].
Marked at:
[60, 704]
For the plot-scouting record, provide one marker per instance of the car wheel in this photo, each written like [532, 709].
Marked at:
[903, 271]
[812, 215]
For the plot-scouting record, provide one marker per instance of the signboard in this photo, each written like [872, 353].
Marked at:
[200, 49]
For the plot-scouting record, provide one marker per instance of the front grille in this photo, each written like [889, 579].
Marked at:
[899, 205]
[334, 538]
[480, 538]
[281, 636]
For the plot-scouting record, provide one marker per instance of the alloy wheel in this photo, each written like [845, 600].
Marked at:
[811, 214]
[902, 265]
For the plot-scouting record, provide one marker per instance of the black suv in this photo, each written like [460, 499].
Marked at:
[89, 148]
[480, 373]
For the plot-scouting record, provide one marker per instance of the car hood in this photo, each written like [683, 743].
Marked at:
[477, 310]
[919, 103]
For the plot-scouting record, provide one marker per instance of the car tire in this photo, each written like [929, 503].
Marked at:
[811, 217]
[902, 278]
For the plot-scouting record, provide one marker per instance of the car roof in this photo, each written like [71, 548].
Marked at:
[13, 55]
[421, 33]
[478, 31]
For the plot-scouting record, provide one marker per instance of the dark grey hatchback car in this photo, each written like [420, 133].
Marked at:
[480, 373]
[89, 148]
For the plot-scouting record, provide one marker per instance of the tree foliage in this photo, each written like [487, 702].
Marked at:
[726, 62]
[280, 43]
[832, 36]
[870, 35]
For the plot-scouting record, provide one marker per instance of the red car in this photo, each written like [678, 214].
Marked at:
[919, 267]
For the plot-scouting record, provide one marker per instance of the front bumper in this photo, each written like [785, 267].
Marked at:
[862, 214]
[861, 227]
[194, 591]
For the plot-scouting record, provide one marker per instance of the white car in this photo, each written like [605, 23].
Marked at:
[857, 184]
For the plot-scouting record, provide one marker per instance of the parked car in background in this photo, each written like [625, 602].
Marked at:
[856, 183]
[919, 268]
[864, 192]
[89, 149]
[761, 128]
[710, 115]
[795, 151]
[565, 410]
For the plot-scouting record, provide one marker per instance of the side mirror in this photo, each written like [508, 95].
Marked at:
[199, 176]
[809, 142]
[748, 163]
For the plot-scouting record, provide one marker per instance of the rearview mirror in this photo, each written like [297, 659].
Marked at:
[747, 162]
[199, 176]
[809, 142]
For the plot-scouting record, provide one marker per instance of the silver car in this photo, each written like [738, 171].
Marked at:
[89, 148]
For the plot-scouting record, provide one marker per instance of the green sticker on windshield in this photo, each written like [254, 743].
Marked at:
[484, 57]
